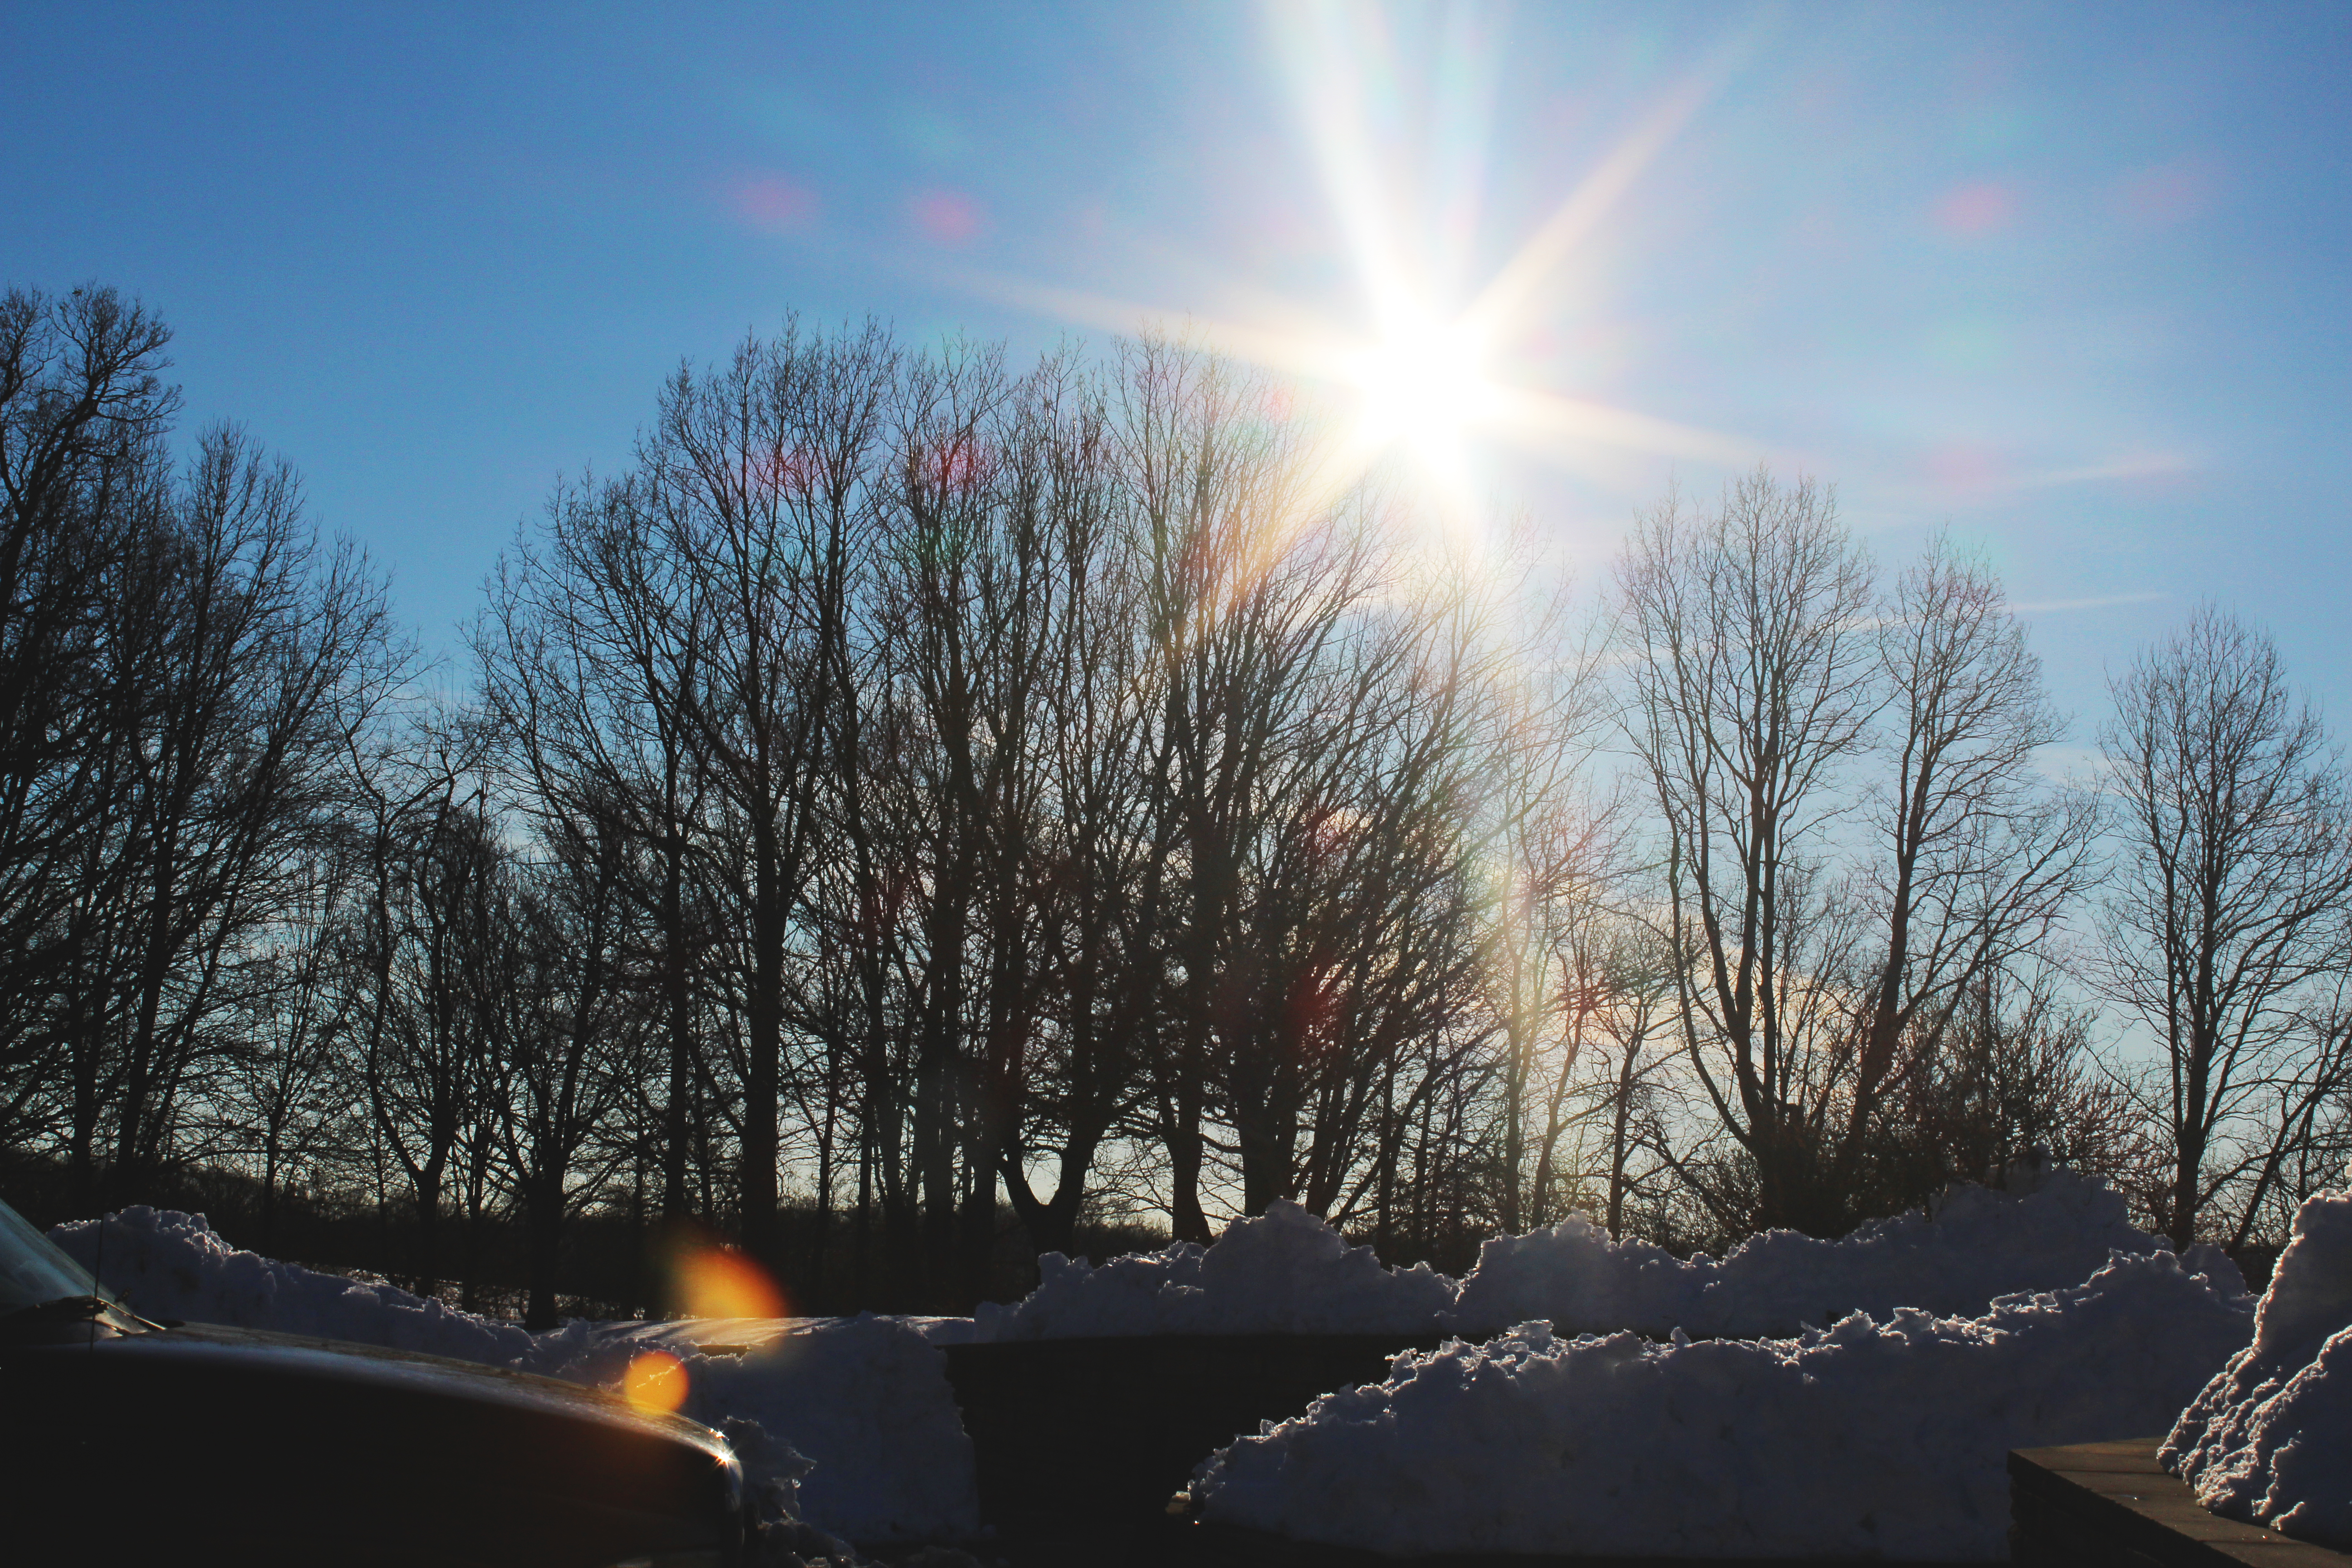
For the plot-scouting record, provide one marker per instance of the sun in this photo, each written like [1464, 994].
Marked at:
[1429, 358]
[1423, 382]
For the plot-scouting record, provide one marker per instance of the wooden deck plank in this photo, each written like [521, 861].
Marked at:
[2110, 1505]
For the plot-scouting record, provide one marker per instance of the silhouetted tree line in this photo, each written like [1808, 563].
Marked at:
[916, 808]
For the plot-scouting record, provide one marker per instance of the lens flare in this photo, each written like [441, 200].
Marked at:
[720, 1282]
[655, 1381]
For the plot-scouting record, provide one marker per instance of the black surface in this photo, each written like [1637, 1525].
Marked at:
[1106, 1429]
[1174, 1545]
[203, 1444]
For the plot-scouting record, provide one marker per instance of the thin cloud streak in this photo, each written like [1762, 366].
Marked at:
[2055, 606]
[2140, 466]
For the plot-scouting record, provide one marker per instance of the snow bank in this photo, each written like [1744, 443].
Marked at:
[2270, 1439]
[1870, 1438]
[1288, 1272]
[865, 1400]
[2052, 1229]
[172, 1266]
[1283, 1272]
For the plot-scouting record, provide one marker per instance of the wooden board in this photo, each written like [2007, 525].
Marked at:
[2110, 1505]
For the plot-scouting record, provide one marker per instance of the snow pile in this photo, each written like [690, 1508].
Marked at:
[2052, 1229]
[865, 1400]
[1283, 1272]
[1868, 1439]
[171, 1266]
[2270, 1439]
[1288, 1272]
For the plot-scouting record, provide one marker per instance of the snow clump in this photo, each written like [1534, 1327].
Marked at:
[1869, 1440]
[171, 1266]
[1283, 1272]
[2053, 1228]
[2270, 1439]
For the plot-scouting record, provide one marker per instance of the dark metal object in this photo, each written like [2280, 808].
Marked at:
[120, 1440]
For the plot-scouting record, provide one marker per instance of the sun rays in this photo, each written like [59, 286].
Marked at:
[1400, 131]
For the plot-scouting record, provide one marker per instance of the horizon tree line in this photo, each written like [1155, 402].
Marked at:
[917, 804]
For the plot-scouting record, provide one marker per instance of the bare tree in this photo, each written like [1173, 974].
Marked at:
[1105, 855]
[2235, 860]
[1823, 969]
[591, 651]
[428, 953]
[2015, 1079]
[1980, 860]
[557, 1025]
[1239, 611]
[1754, 676]
[289, 1082]
[82, 410]
[1556, 853]
[764, 474]
[238, 773]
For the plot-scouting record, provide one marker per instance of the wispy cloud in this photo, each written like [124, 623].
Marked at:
[2071, 763]
[2055, 606]
[2133, 465]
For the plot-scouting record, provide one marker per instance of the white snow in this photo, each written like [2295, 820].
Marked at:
[1285, 1271]
[2052, 1228]
[1871, 1438]
[1288, 1272]
[2269, 1440]
[169, 1265]
[865, 1399]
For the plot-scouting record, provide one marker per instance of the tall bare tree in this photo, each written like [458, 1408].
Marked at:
[1754, 682]
[1979, 859]
[2234, 839]
[82, 409]
[1854, 832]
[764, 475]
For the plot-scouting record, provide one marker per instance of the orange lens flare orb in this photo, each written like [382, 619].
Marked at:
[718, 1282]
[655, 1381]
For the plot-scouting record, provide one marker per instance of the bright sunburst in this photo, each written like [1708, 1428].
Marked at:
[1422, 379]
[1423, 382]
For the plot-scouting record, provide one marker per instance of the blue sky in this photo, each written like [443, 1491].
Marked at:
[2069, 278]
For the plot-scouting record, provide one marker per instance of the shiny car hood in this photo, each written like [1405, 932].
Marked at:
[379, 1366]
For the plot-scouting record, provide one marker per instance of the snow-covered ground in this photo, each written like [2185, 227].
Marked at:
[1869, 1439]
[1881, 1434]
[2269, 1440]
